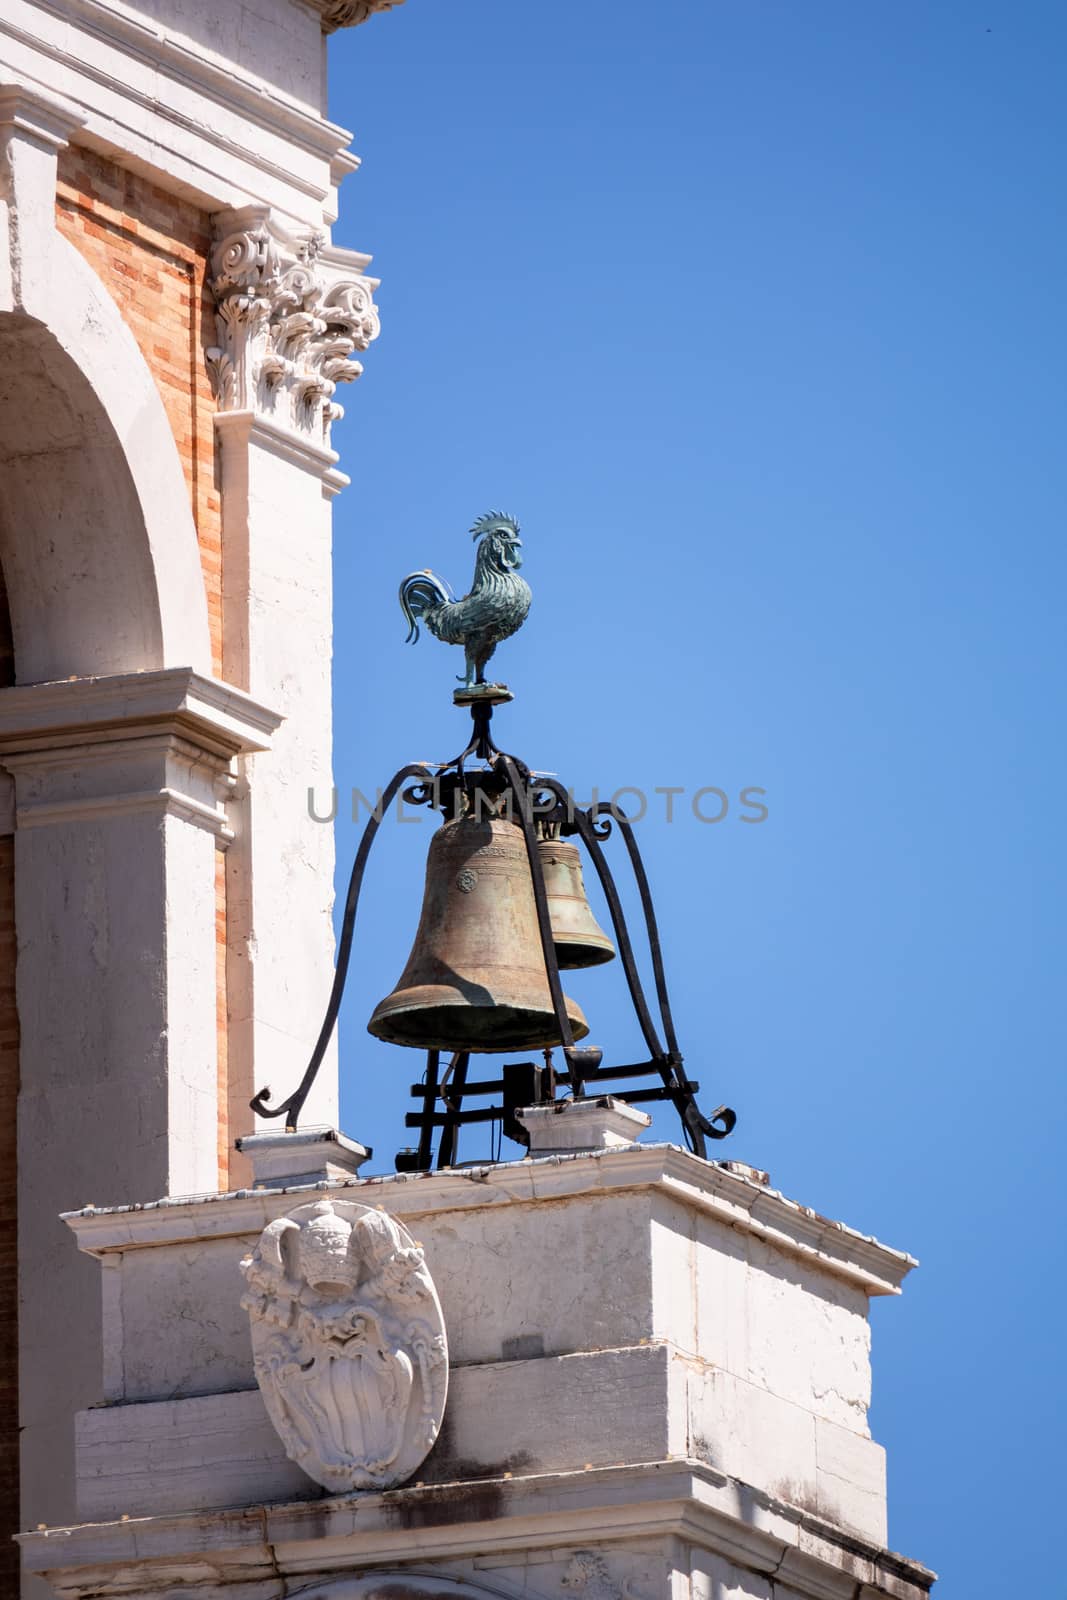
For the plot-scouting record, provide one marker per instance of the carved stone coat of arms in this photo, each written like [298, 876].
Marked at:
[349, 1343]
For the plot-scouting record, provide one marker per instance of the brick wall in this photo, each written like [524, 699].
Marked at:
[9, 1088]
[225, 1087]
[151, 248]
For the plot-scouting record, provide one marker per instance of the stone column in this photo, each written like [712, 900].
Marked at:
[291, 312]
[120, 786]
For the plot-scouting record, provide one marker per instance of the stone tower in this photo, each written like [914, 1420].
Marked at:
[612, 1371]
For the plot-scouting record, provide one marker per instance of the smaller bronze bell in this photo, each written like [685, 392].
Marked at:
[579, 939]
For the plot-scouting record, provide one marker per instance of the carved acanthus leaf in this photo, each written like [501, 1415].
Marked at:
[349, 13]
[348, 1342]
[290, 312]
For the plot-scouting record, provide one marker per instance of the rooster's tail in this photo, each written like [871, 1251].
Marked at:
[420, 591]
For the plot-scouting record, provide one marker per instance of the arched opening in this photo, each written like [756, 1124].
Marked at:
[81, 586]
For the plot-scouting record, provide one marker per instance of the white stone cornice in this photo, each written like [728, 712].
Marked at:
[34, 113]
[147, 43]
[90, 749]
[261, 142]
[247, 428]
[41, 717]
[703, 1185]
[349, 13]
[290, 312]
[453, 1521]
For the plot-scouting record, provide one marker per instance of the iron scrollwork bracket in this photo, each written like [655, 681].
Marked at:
[535, 802]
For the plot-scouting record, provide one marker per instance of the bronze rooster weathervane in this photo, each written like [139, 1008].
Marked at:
[495, 608]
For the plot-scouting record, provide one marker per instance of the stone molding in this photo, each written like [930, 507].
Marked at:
[349, 13]
[290, 312]
[569, 1413]
[242, 429]
[741, 1202]
[46, 118]
[227, 720]
[265, 143]
[91, 748]
[678, 1499]
[348, 1343]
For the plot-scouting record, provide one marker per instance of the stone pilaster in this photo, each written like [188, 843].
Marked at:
[292, 313]
[120, 803]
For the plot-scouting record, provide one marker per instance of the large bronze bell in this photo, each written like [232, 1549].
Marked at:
[475, 978]
[579, 939]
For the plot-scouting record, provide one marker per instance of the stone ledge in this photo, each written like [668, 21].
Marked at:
[657, 1499]
[587, 1409]
[37, 718]
[740, 1202]
[50, 119]
[228, 85]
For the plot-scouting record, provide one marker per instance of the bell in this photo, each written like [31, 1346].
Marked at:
[475, 978]
[579, 939]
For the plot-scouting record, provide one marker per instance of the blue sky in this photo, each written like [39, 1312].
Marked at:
[748, 312]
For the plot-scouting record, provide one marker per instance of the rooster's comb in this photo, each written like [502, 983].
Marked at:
[493, 519]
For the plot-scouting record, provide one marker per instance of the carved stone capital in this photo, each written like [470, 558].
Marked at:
[349, 13]
[291, 310]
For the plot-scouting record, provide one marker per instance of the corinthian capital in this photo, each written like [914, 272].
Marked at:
[290, 311]
[347, 13]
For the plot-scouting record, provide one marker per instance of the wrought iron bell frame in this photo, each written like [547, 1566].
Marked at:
[532, 801]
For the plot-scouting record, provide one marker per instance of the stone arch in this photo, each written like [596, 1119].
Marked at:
[97, 540]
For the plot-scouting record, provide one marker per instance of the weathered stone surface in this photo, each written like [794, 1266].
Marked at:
[538, 1251]
[176, 1455]
[649, 1531]
[635, 1312]
[183, 1455]
[645, 1398]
